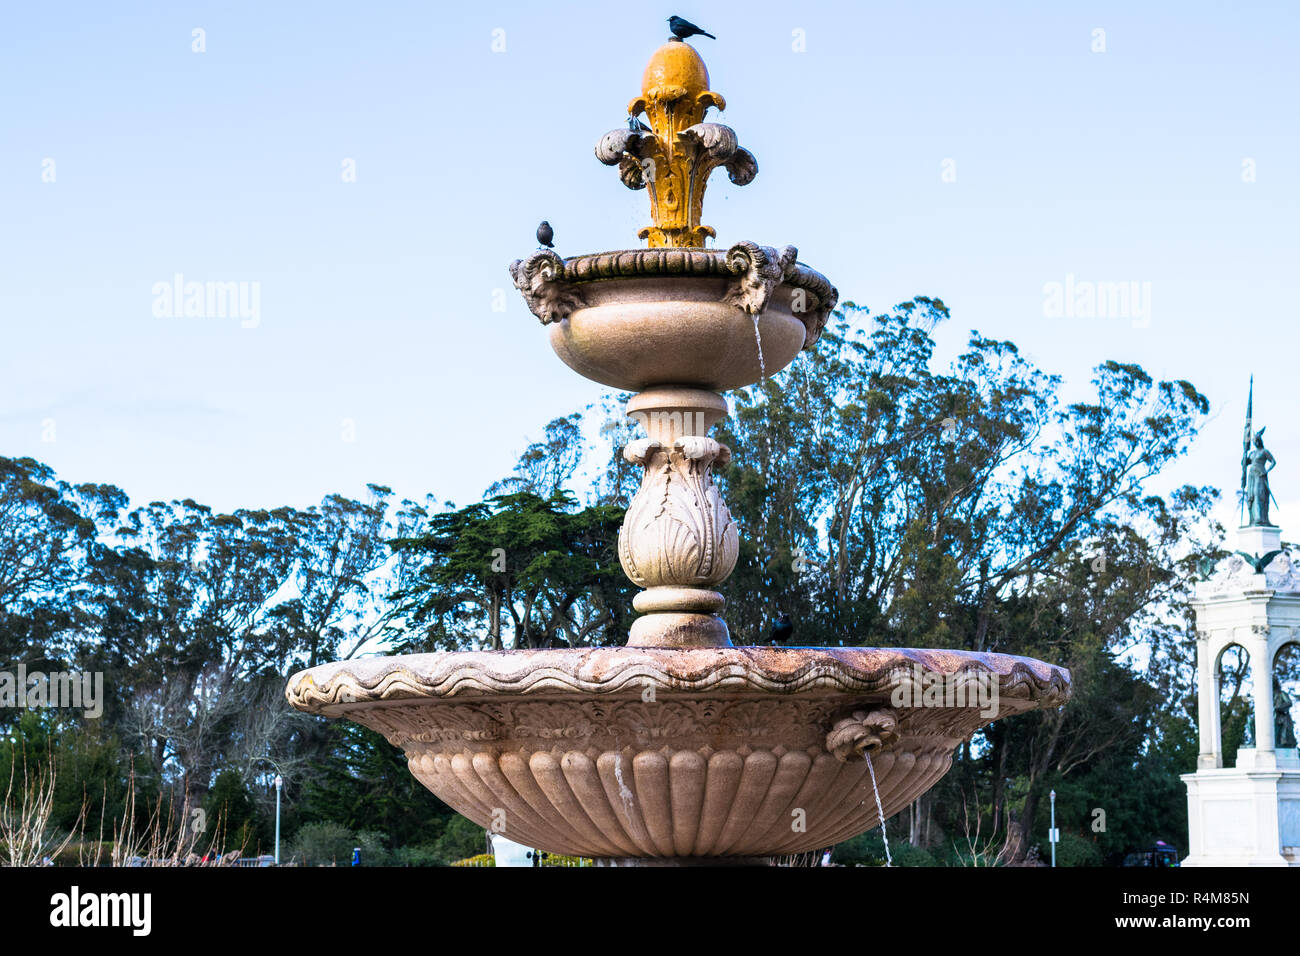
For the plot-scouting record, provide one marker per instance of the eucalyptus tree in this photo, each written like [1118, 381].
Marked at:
[546, 467]
[336, 602]
[199, 616]
[48, 533]
[883, 502]
[183, 606]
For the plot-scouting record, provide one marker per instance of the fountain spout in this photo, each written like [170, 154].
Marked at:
[862, 734]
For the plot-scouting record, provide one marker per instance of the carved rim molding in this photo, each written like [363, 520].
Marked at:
[552, 286]
[335, 689]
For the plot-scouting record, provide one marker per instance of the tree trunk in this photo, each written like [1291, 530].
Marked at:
[496, 619]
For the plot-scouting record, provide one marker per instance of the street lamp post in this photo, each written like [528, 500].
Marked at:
[279, 782]
[1053, 836]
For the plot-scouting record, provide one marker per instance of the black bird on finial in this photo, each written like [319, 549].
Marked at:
[783, 629]
[545, 235]
[684, 28]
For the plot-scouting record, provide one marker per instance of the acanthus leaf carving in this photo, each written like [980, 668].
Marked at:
[742, 167]
[640, 450]
[796, 722]
[626, 149]
[678, 531]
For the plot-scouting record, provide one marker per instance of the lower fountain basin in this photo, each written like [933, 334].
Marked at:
[664, 754]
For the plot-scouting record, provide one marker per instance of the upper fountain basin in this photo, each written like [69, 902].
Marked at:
[676, 316]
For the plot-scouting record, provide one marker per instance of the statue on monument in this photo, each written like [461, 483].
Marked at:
[1256, 462]
[1283, 725]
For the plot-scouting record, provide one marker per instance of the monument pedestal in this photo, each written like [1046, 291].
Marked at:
[1245, 815]
[1259, 539]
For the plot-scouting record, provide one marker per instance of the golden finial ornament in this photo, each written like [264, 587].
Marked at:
[672, 159]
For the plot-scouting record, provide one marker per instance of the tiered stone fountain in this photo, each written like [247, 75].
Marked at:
[679, 747]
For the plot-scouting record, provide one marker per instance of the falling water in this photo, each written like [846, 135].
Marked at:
[889, 860]
[628, 797]
[762, 376]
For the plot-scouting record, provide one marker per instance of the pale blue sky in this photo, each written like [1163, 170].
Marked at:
[376, 295]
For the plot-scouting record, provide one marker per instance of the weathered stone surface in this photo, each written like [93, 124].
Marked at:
[648, 752]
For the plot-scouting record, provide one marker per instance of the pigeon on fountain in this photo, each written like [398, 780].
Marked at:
[546, 235]
[682, 29]
[783, 629]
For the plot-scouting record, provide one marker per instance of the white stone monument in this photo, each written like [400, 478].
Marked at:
[1249, 814]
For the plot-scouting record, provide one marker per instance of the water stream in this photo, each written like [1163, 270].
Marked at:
[889, 860]
[758, 339]
[626, 795]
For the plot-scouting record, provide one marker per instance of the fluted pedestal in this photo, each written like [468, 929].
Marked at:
[678, 540]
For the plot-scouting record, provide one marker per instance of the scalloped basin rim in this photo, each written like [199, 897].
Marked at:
[335, 688]
[563, 748]
[673, 261]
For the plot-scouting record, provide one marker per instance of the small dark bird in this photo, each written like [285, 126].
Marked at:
[546, 235]
[684, 28]
[783, 629]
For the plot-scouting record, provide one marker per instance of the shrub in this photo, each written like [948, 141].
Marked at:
[1073, 850]
[320, 844]
[426, 854]
[908, 855]
[868, 849]
[373, 851]
[460, 838]
[865, 849]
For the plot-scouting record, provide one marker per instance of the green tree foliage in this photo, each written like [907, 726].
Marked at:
[517, 571]
[47, 535]
[230, 809]
[362, 782]
[324, 844]
[195, 620]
